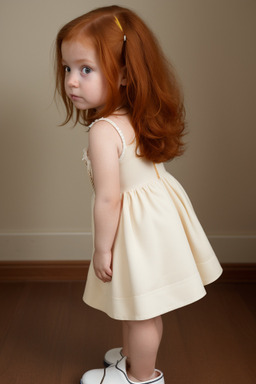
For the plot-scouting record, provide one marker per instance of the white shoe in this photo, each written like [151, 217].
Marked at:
[113, 356]
[115, 374]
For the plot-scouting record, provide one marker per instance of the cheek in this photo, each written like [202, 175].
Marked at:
[104, 87]
[97, 88]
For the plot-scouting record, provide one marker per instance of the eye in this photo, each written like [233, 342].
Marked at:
[66, 69]
[86, 70]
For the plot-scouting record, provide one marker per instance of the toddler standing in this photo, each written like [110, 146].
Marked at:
[151, 255]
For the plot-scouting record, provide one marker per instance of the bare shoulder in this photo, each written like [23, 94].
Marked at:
[103, 138]
[104, 134]
[101, 130]
[100, 127]
[123, 121]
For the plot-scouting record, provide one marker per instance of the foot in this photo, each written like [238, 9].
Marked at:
[116, 374]
[113, 356]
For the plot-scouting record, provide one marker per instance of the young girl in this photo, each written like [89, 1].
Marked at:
[151, 255]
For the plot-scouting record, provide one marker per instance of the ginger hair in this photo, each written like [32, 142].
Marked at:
[152, 94]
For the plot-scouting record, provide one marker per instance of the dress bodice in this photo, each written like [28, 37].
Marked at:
[134, 171]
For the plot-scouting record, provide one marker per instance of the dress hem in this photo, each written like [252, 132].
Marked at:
[142, 308]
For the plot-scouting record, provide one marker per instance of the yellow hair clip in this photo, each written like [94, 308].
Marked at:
[118, 23]
[120, 26]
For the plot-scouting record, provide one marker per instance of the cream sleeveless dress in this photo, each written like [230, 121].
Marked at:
[161, 256]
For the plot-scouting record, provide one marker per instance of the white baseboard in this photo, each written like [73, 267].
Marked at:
[78, 246]
[45, 246]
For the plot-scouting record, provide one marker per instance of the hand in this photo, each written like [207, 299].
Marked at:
[102, 266]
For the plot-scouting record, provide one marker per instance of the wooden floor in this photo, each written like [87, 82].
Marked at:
[49, 336]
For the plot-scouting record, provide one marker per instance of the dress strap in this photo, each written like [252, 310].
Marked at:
[114, 125]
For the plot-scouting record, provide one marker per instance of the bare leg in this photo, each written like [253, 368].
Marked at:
[125, 351]
[141, 342]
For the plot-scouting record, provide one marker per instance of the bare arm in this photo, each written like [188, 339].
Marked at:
[104, 146]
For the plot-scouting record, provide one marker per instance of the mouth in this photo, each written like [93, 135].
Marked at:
[75, 97]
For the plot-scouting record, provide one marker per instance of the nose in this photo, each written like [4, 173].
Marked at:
[72, 80]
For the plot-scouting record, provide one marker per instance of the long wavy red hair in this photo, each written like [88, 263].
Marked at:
[152, 94]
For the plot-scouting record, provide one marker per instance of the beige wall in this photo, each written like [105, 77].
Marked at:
[45, 193]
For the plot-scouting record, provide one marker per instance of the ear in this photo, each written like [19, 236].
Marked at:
[122, 79]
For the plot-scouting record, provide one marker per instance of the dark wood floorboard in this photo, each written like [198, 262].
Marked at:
[49, 336]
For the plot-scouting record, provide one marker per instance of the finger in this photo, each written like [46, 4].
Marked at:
[109, 272]
[107, 278]
[103, 277]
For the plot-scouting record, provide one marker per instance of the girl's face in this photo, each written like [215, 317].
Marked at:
[85, 84]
